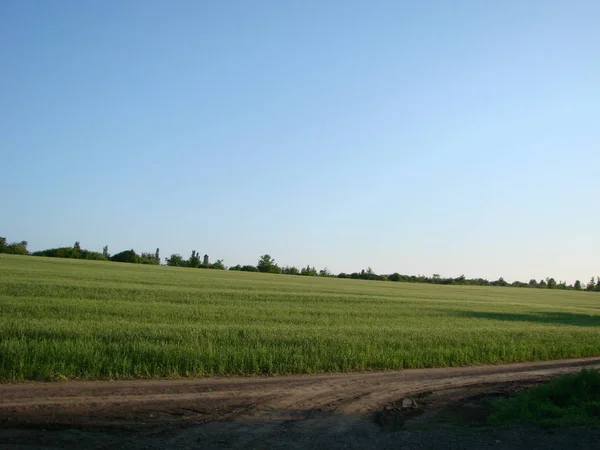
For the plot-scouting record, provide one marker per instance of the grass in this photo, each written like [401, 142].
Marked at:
[71, 319]
[572, 399]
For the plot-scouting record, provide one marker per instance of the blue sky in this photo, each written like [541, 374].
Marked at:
[419, 137]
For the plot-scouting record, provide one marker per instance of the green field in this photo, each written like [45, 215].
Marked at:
[71, 319]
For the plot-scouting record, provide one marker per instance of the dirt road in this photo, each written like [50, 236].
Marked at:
[336, 410]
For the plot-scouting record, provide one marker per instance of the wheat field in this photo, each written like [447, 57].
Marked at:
[73, 319]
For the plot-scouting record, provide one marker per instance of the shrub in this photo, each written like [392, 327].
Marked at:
[572, 399]
[126, 256]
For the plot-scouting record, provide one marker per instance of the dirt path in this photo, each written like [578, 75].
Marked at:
[290, 411]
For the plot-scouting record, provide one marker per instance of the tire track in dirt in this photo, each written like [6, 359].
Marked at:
[279, 399]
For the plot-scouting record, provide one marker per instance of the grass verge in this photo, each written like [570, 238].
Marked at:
[572, 399]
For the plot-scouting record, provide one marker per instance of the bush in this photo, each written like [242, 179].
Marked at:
[148, 258]
[70, 252]
[217, 265]
[244, 268]
[309, 271]
[572, 399]
[86, 254]
[176, 260]
[126, 256]
[14, 248]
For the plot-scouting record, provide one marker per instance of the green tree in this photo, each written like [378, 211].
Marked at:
[77, 246]
[551, 283]
[324, 272]
[105, 252]
[591, 285]
[126, 256]
[577, 285]
[15, 248]
[217, 265]
[194, 260]
[533, 283]
[2, 244]
[309, 271]
[176, 260]
[267, 264]
[71, 252]
[157, 256]
[293, 270]
[148, 258]
[395, 277]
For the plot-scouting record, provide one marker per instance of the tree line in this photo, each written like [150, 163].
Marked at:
[266, 264]
[76, 252]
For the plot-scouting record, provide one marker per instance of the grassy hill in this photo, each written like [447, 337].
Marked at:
[70, 319]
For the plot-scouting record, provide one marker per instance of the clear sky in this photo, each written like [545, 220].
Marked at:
[451, 137]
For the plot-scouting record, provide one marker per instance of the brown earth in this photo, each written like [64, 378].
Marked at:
[423, 408]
